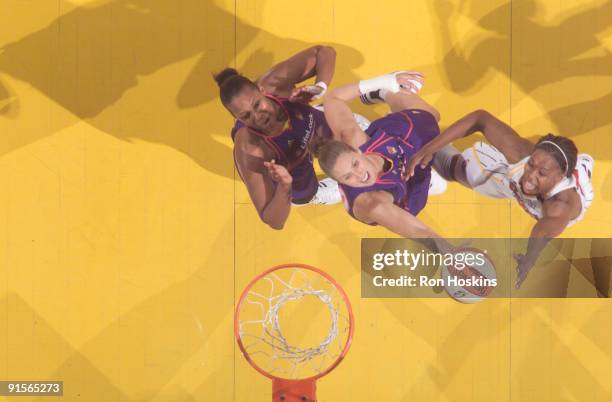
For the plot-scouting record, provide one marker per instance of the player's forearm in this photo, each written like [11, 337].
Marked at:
[401, 222]
[276, 212]
[344, 93]
[461, 128]
[325, 64]
[541, 234]
[337, 113]
[535, 245]
[410, 230]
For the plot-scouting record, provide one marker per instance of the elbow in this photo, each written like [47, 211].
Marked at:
[328, 50]
[481, 113]
[479, 119]
[273, 224]
[276, 225]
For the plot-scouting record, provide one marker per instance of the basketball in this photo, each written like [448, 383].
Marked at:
[470, 276]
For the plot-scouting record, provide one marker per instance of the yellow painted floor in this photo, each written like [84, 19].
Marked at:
[126, 236]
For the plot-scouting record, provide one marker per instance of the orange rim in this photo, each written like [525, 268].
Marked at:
[333, 282]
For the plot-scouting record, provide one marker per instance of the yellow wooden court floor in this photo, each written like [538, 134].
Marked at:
[126, 235]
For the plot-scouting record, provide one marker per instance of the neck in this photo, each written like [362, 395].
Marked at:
[547, 194]
[378, 162]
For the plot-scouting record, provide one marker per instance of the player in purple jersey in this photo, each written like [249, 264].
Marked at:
[371, 166]
[273, 129]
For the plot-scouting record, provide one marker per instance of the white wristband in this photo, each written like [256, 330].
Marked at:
[322, 85]
[388, 82]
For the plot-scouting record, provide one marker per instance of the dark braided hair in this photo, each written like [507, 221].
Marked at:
[230, 84]
[568, 147]
[327, 152]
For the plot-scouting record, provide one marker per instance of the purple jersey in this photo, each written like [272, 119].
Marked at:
[291, 146]
[396, 137]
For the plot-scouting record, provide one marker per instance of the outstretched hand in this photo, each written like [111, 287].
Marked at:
[421, 158]
[410, 81]
[278, 173]
[522, 269]
[306, 93]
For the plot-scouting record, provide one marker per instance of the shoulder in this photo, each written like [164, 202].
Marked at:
[246, 141]
[250, 150]
[565, 204]
[370, 203]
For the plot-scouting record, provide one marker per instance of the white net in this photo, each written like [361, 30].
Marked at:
[293, 323]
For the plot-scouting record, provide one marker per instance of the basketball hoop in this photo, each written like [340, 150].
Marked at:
[294, 356]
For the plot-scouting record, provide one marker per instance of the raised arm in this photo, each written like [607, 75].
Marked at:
[499, 134]
[378, 207]
[281, 79]
[340, 117]
[252, 161]
[556, 216]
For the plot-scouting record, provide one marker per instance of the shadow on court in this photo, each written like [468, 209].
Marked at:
[607, 188]
[505, 335]
[95, 61]
[509, 40]
[135, 357]
[27, 330]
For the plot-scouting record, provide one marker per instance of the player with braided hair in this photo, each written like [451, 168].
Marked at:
[273, 128]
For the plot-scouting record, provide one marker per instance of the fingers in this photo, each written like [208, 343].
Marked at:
[409, 88]
[520, 279]
[518, 283]
[269, 164]
[410, 81]
[411, 75]
[414, 161]
[277, 172]
[312, 89]
[419, 159]
[305, 93]
[426, 159]
[299, 94]
[273, 168]
[521, 270]
[423, 161]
